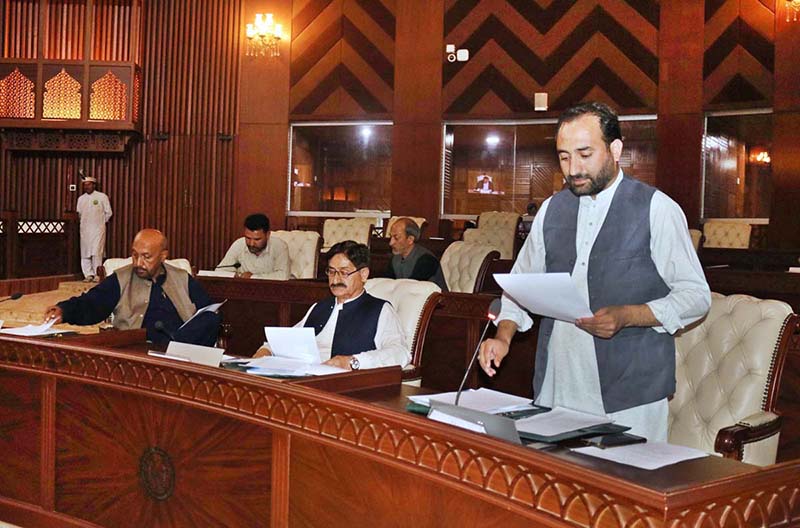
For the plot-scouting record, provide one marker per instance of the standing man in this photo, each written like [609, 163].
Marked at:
[628, 250]
[257, 255]
[410, 260]
[94, 210]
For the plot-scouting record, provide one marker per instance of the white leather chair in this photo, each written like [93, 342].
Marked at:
[303, 252]
[726, 234]
[414, 302]
[495, 229]
[728, 374]
[335, 231]
[113, 264]
[696, 235]
[421, 222]
[465, 264]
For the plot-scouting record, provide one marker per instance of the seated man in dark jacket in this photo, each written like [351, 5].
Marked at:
[410, 260]
[146, 294]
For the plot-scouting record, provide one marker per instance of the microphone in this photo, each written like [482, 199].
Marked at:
[234, 266]
[491, 315]
[12, 297]
[159, 325]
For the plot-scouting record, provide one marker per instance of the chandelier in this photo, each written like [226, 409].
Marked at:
[792, 8]
[264, 37]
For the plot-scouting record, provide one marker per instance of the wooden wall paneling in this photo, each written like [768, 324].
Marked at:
[20, 414]
[679, 170]
[343, 55]
[738, 61]
[784, 226]
[571, 50]
[19, 17]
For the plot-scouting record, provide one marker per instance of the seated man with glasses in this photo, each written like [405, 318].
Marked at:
[354, 329]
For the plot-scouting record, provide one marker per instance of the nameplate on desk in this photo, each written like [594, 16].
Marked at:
[202, 355]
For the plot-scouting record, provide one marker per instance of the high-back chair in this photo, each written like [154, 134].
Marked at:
[697, 236]
[421, 222]
[726, 234]
[496, 229]
[304, 249]
[111, 265]
[414, 302]
[339, 230]
[728, 376]
[465, 264]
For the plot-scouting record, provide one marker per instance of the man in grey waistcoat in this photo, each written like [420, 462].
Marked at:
[628, 249]
[409, 259]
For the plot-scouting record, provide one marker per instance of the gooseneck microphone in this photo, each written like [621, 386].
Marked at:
[12, 297]
[491, 315]
[159, 325]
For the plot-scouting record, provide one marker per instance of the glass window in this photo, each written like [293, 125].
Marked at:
[340, 168]
[737, 169]
[504, 167]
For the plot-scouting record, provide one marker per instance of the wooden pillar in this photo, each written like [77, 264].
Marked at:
[263, 153]
[417, 131]
[784, 222]
[679, 169]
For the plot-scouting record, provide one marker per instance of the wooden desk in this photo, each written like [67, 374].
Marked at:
[118, 438]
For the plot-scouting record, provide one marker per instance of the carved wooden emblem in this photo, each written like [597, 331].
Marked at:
[156, 473]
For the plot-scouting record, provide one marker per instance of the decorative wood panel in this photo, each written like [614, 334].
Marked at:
[342, 57]
[739, 58]
[20, 416]
[604, 49]
[179, 177]
[193, 467]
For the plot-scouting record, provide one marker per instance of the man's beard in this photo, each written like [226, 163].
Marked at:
[597, 183]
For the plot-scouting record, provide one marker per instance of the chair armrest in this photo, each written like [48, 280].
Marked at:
[730, 441]
[411, 372]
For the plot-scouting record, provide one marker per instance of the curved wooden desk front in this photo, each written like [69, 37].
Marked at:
[97, 435]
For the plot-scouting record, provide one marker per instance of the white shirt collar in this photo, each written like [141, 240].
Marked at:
[340, 305]
[605, 196]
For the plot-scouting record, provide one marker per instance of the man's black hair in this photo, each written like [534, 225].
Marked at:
[609, 122]
[257, 221]
[356, 253]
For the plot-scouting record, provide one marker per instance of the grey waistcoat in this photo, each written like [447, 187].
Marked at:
[637, 365]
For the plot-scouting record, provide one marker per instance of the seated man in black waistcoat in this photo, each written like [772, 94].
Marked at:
[354, 329]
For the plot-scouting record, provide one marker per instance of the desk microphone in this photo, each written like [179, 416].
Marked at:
[12, 297]
[159, 325]
[491, 315]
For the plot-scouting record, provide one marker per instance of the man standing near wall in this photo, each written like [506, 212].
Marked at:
[94, 210]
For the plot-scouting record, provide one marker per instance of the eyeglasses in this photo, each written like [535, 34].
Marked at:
[331, 272]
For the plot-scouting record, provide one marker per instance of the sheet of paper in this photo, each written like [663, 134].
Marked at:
[214, 307]
[650, 455]
[454, 420]
[278, 366]
[32, 330]
[1, 323]
[294, 343]
[549, 294]
[485, 400]
[161, 355]
[558, 421]
[794, 270]
[214, 273]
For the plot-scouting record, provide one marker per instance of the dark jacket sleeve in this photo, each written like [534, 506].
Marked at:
[425, 268]
[203, 329]
[197, 294]
[93, 306]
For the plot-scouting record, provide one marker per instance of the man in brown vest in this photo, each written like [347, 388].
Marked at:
[148, 293]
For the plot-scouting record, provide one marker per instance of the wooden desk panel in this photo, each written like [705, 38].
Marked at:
[225, 433]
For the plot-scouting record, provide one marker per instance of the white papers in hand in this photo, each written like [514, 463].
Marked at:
[32, 330]
[293, 343]
[485, 400]
[650, 455]
[548, 294]
[215, 273]
[278, 366]
[210, 308]
[559, 420]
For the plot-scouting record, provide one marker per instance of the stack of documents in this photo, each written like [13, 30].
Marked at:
[32, 330]
[485, 400]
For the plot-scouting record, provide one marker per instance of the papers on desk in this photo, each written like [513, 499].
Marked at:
[485, 400]
[794, 270]
[650, 455]
[210, 308]
[286, 367]
[33, 330]
[293, 343]
[559, 421]
[548, 294]
[202, 355]
[215, 273]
